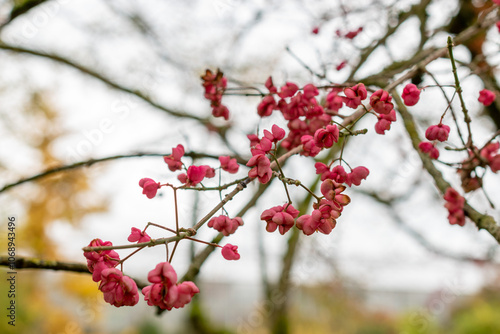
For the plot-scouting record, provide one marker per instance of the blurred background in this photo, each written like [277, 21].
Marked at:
[83, 80]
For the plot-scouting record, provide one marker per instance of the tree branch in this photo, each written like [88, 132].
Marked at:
[34, 263]
[90, 162]
[100, 77]
[482, 221]
[21, 8]
[389, 203]
[391, 29]
[423, 58]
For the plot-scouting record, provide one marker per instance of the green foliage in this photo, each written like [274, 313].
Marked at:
[478, 315]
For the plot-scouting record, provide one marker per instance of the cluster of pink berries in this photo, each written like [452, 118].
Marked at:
[455, 205]
[310, 125]
[488, 157]
[118, 290]
[164, 291]
[215, 85]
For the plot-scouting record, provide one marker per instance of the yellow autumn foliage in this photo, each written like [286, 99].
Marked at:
[63, 198]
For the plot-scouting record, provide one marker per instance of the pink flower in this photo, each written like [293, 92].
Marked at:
[270, 86]
[495, 163]
[196, 174]
[333, 101]
[489, 151]
[159, 295]
[225, 225]
[338, 174]
[429, 148]
[276, 135]
[254, 139]
[381, 102]
[384, 122]
[323, 170]
[220, 111]
[309, 146]
[230, 252]
[261, 168]
[185, 292]
[165, 292]
[333, 192]
[281, 216]
[354, 95]
[118, 290]
[288, 90]
[411, 95]
[266, 106]
[437, 132]
[315, 222]
[457, 218]
[163, 273]
[309, 223]
[356, 175]
[486, 97]
[228, 164]
[350, 34]
[174, 160]
[263, 147]
[97, 255]
[149, 187]
[341, 65]
[138, 235]
[329, 209]
[97, 261]
[382, 126]
[266, 143]
[310, 91]
[326, 137]
[455, 204]
[215, 85]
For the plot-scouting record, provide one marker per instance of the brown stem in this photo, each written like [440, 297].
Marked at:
[90, 162]
[482, 221]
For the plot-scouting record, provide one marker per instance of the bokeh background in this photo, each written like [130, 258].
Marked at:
[84, 80]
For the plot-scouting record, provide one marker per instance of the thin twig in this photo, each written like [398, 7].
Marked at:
[90, 162]
[307, 67]
[102, 78]
[458, 89]
[449, 106]
[482, 221]
[35, 263]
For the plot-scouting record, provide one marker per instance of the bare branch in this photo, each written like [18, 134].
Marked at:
[34, 263]
[390, 203]
[482, 221]
[21, 8]
[90, 162]
[421, 59]
[102, 78]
